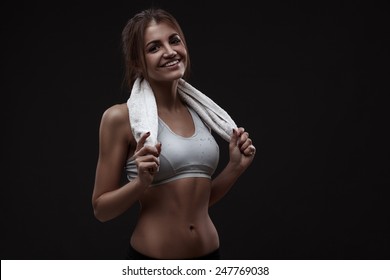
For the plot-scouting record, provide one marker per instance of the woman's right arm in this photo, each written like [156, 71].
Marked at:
[109, 199]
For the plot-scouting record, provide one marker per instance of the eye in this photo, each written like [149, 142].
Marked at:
[153, 48]
[175, 40]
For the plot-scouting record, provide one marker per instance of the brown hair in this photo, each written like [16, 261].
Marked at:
[133, 42]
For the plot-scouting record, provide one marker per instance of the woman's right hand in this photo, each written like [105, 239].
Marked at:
[146, 159]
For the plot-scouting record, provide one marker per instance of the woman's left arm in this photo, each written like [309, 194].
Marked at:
[241, 154]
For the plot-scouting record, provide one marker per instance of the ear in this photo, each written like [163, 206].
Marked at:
[139, 71]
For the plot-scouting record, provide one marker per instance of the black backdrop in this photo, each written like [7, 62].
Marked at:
[309, 81]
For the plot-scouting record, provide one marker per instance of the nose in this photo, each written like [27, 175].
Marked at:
[169, 52]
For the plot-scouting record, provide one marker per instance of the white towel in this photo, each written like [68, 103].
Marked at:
[144, 117]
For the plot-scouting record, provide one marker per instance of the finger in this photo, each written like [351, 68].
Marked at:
[142, 140]
[148, 166]
[149, 150]
[250, 151]
[246, 142]
[158, 147]
[242, 135]
[234, 138]
[243, 139]
[240, 131]
[147, 158]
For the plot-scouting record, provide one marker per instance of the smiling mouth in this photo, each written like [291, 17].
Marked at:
[170, 63]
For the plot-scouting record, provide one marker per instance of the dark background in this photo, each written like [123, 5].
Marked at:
[309, 81]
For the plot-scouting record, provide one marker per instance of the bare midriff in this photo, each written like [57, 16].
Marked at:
[174, 221]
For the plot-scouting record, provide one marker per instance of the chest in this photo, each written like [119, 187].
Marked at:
[180, 123]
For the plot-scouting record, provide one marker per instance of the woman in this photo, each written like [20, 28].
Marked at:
[174, 189]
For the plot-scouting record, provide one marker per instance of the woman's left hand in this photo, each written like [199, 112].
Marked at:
[241, 149]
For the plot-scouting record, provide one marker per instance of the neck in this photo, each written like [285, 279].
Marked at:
[166, 95]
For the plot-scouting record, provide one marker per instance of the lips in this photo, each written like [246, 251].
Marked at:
[170, 63]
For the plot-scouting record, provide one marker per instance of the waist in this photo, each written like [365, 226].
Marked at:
[174, 220]
[171, 239]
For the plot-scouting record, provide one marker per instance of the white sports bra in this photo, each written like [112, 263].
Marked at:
[182, 157]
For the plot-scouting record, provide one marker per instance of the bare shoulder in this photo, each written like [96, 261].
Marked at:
[116, 114]
[115, 121]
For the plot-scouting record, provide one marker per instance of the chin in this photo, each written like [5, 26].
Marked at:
[176, 76]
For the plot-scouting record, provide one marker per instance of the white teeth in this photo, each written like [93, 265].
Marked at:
[171, 63]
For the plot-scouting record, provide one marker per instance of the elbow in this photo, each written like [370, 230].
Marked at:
[99, 214]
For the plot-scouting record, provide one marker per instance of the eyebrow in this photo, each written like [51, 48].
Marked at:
[156, 41]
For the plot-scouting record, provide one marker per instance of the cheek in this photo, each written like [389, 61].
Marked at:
[151, 60]
[182, 51]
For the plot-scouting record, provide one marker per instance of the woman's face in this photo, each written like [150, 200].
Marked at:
[165, 53]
